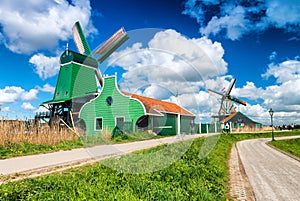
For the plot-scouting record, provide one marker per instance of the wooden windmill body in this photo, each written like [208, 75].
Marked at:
[79, 77]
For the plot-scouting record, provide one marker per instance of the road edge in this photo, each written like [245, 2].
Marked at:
[240, 187]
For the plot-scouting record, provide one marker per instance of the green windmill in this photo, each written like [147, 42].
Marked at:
[79, 77]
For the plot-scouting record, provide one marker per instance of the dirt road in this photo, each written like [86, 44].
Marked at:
[272, 174]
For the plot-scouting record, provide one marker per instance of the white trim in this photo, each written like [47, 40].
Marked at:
[73, 62]
[163, 127]
[178, 124]
[128, 96]
[157, 115]
[95, 125]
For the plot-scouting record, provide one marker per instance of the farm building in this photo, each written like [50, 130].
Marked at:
[238, 121]
[113, 109]
[77, 101]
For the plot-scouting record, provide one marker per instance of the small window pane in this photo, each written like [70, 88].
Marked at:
[99, 123]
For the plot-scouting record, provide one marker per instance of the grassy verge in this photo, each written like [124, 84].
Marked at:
[24, 144]
[291, 146]
[188, 178]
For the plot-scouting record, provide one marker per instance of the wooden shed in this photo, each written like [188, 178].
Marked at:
[238, 121]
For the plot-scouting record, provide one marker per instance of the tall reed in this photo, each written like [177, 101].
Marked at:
[18, 132]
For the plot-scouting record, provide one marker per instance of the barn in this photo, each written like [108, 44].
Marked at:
[238, 121]
[113, 109]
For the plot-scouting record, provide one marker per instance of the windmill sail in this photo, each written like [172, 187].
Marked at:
[239, 101]
[80, 40]
[214, 92]
[230, 86]
[110, 45]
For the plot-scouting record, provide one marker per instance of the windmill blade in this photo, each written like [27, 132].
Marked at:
[215, 93]
[110, 45]
[238, 101]
[80, 40]
[230, 86]
[99, 77]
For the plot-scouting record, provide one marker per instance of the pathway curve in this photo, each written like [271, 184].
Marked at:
[272, 174]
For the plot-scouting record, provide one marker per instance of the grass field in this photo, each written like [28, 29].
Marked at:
[291, 146]
[189, 178]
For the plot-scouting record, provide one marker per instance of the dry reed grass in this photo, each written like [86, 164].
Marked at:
[18, 132]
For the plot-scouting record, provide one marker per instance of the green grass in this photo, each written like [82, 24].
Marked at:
[20, 149]
[188, 178]
[291, 146]
[24, 148]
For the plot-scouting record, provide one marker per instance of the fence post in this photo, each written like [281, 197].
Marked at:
[206, 127]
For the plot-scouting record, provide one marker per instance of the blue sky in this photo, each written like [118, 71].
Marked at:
[191, 46]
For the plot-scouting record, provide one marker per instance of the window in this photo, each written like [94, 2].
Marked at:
[98, 124]
[109, 100]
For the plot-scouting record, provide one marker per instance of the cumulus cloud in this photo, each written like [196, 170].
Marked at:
[40, 25]
[41, 109]
[11, 94]
[286, 71]
[5, 109]
[170, 61]
[46, 88]
[27, 106]
[236, 18]
[45, 66]
[283, 97]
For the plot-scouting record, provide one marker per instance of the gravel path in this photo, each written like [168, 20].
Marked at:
[272, 174]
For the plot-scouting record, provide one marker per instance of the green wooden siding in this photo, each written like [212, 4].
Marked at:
[185, 122]
[121, 106]
[165, 125]
[74, 79]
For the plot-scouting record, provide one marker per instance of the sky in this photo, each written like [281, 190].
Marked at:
[177, 50]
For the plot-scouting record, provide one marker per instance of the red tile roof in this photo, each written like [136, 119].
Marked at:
[229, 117]
[154, 106]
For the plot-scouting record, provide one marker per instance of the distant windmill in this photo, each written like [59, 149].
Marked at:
[227, 100]
[104, 50]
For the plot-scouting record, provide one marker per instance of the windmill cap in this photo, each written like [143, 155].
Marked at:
[69, 56]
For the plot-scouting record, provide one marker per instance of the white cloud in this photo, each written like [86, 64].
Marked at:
[44, 66]
[170, 61]
[249, 91]
[5, 109]
[285, 71]
[46, 88]
[41, 109]
[38, 25]
[12, 94]
[27, 106]
[273, 56]
[30, 95]
[282, 97]
[237, 18]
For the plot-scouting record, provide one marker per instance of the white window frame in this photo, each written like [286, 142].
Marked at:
[95, 124]
[117, 118]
